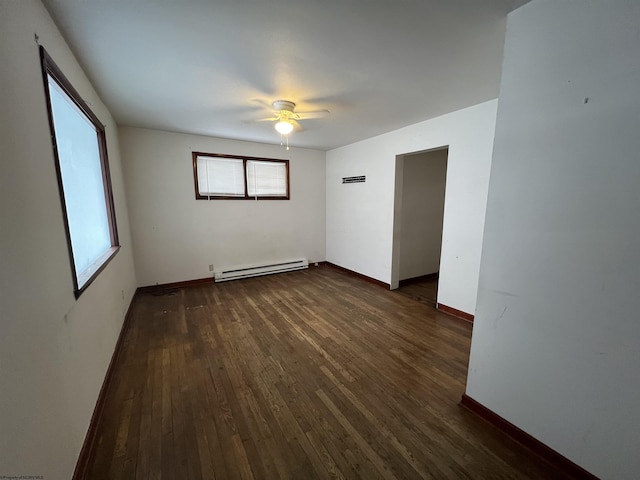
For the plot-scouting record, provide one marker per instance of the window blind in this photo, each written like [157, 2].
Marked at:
[222, 177]
[266, 179]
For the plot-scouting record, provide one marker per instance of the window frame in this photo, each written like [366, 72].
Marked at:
[245, 159]
[81, 280]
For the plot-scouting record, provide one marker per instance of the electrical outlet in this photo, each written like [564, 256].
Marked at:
[211, 268]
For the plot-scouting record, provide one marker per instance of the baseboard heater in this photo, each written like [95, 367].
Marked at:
[236, 273]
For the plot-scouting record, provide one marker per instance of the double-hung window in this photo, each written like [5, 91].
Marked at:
[220, 176]
[82, 167]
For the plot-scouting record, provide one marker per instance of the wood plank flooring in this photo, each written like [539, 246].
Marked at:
[424, 291]
[306, 375]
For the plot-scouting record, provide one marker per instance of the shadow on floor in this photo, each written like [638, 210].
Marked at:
[422, 290]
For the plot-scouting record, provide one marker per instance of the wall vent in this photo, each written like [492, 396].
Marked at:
[360, 179]
[235, 273]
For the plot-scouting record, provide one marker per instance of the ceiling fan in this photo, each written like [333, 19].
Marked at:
[286, 118]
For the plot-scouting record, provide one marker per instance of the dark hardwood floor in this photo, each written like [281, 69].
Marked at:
[421, 290]
[304, 375]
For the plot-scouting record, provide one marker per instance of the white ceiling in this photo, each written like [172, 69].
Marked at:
[203, 66]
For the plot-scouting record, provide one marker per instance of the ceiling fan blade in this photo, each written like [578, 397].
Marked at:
[255, 120]
[262, 102]
[296, 126]
[313, 114]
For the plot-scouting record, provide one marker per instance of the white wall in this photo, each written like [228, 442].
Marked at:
[177, 237]
[423, 188]
[360, 217]
[54, 350]
[556, 336]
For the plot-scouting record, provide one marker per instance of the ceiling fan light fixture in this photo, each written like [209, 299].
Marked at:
[284, 127]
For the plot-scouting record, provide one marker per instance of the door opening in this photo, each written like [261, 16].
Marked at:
[418, 221]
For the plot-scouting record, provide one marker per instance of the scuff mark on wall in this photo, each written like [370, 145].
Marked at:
[499, 317]
[502, 292]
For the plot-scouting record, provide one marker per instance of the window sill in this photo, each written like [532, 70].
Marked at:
[90, 273]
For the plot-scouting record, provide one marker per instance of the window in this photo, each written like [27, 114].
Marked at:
[218, 176]
[80, 152]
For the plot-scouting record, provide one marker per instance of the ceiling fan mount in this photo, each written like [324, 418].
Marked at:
[283, 106]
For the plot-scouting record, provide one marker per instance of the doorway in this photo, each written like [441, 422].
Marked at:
[418, 223]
